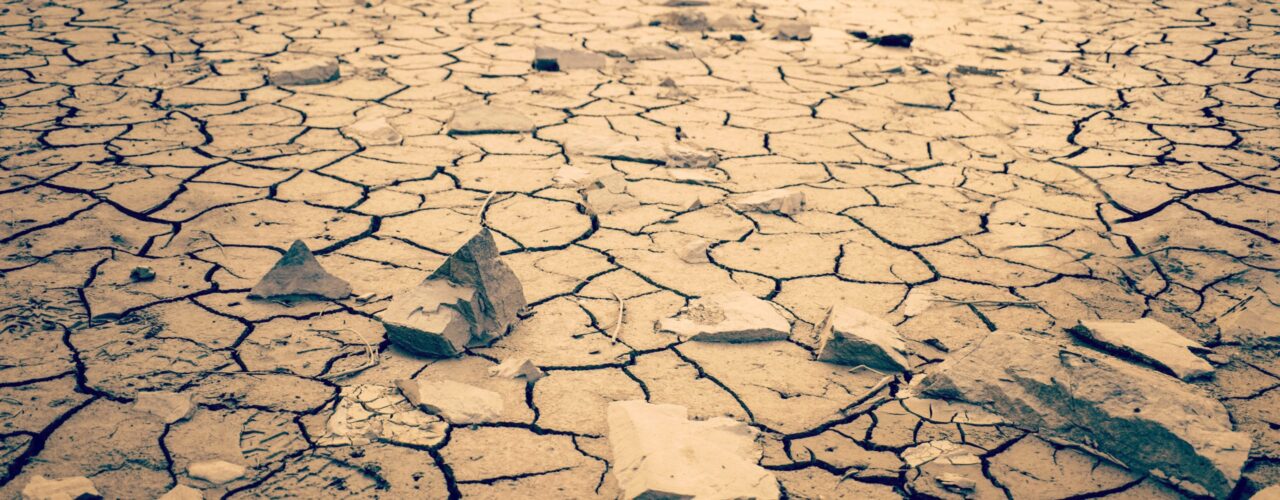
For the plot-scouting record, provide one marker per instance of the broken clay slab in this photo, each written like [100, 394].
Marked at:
[456, 402]
[297, 69]
[728, 317]
[298, 275]
[488, 120]
[1147, 420]
[70, 488]
[659, 453]
[170, 407]
[853, 337]
[781, 201]
[470, 300]
[1150, 342]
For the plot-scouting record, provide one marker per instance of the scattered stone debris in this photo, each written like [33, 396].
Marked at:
[551, 59]
[1150, 342]
[608, 194]
[517, 367]
[899, 40]
[1151, 422]
[781, 201]
[169, 406]
[659, 452]
[298, 275]
[456, 402]
[728, 317]
[974, 70]
[669, 154]
[70, 488]
[853, 337]
[470, 300]
[183, 492]
[298, 69]
[374, 132]
[374, 413]
[489, 120]
[216, 472]
[141, 274]
[797, 31]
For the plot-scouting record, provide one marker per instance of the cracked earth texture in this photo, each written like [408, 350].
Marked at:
[1022, 166]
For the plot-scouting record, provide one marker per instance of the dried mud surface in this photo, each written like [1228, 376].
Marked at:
[1022, 167]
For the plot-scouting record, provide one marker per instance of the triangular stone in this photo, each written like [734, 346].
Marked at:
[299, 275]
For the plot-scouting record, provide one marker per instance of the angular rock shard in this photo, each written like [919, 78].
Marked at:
[659, 453]
[853, 337]
[552, 59]
[457, 402]
[517, 367]
[489, 120]
[728, 317]
[1147, 420]
[302, 70]
[216, 471]
[40, 488]
[470, 300]
[299, 275]
[782, 201]
[1150, 342]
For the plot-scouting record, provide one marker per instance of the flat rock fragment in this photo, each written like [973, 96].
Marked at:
[516, 368]
[470, 300]
[69, 488]
[782, 201]
[1149, 341]
[901, 40]
[853, 337]
[797, 31]
[298, 275]
[489, 120]
[302, 70]
[374, 132]
[457, 402]
[728, 317]
[182, 492]
[553, 59]
[169, 406]
[216, 471]
[659, 453]
[1151, 422]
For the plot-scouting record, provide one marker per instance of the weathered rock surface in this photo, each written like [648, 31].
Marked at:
[782, 201]
[489, 120]
[169, 406]
[517, 367]
[70, 488]
[457, 402]
[794, 31]
[853, 337]
[298, 275]
[216, 472]
[373, 413]
[1145, 419]
[1150, 342]
[728, 317]
[658, 452]
[374, 132]
[302, 70]
[182, 492]
[470, 300]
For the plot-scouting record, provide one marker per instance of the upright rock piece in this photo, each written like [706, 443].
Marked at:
[470, 300]
[517, 367]
[1150, 342]
[1149, 421]
[58, 489]
[852, 337]
[728, 317]
[782, 201]
[659, 453]
[299, 275]
[302, 70]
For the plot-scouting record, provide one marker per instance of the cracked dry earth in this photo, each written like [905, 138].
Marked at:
[1021, 167]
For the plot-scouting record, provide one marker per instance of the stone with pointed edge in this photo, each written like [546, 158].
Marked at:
[298, 275]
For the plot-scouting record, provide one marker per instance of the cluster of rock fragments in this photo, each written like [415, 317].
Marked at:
[687, 248]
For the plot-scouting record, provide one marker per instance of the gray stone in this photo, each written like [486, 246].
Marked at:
[1150, 342]
[470, 300]
[728, 317]
[298, 275]
[853, 337]
[456, 402]
[1149, 421]
[659, 453]
[302, 70]
[70, 488]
